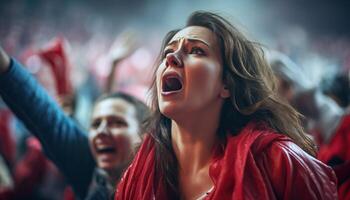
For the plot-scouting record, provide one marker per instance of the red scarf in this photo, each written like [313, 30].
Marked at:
[255, 164]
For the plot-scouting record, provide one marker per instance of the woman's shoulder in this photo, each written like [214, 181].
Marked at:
[290, 170]
[264, 141]
[257, 137]
[293, 172]
[260, 138]
[283, 165]
[271, 165]
[275, 150]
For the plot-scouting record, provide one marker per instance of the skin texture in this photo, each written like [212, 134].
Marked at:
[193, 56]
[114, 125]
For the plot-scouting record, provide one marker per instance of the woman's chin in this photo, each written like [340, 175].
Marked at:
[174, 114]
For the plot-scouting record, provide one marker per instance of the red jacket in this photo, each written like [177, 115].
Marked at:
[255, 164]
[337, 154]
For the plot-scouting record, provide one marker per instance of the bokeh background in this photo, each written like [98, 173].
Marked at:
[315, 34]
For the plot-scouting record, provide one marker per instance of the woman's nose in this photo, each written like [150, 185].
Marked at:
[174, 60]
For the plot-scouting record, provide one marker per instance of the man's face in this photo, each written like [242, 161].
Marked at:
[113, 133]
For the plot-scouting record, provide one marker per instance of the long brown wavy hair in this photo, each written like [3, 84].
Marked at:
[251, 83]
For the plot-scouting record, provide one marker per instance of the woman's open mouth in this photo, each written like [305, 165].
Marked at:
[171, 83]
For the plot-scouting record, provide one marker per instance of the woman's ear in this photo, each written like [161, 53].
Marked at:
[225, 92]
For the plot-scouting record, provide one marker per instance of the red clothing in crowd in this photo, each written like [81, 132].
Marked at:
[256, 164]
[7, 140]
[56, 56]
[337, 154]
[28, 173]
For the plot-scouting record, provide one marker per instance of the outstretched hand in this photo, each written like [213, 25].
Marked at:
[4, 61]
[123, 46]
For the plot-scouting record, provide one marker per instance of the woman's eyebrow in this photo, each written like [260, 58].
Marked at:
[198, 40]
[195, 40]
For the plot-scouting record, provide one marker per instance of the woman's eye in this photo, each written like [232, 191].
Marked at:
[197, 50]
[167, 51]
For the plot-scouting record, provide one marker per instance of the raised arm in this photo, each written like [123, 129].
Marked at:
[123, 46]
[63, 141]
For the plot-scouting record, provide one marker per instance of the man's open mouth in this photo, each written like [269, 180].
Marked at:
[171, 83]
[106, 149]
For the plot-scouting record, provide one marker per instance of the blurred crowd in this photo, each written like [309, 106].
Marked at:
[76, 69]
